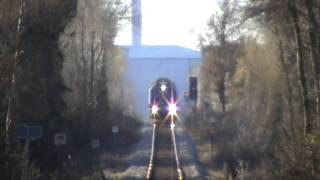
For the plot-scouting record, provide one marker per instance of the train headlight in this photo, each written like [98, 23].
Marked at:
[154, 109]
[172, 109]
[163, 87]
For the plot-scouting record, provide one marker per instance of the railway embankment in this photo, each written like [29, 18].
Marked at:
[139, 156]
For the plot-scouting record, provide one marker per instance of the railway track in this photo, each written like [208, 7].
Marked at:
[164, 158]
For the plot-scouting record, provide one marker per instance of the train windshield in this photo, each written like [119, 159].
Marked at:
[162, 93]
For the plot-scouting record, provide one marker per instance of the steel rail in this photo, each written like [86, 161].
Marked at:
[151, 164]
[173, 135]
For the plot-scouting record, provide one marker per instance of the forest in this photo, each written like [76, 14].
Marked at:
[259, 92]
[60, 71]
[260, 89]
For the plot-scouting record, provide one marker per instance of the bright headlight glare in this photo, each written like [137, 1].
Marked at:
[163, 87]
[154, 109]
[172, 109]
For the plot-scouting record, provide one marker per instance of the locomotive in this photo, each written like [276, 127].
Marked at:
[163, 101]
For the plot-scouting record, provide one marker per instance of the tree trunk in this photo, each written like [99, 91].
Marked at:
[300, 65]
[9, 115]
[221, 93]
[77, 71]
[84, 64]
[222, 56]
[287, 81]
[92, 65]
[315, 50]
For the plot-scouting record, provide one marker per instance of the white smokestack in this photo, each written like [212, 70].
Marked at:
[136, 22]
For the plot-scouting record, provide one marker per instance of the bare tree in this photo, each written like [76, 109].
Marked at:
[220, 49]
[301, 68]
[315, 50]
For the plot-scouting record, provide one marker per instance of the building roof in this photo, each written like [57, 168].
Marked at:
[161, 52]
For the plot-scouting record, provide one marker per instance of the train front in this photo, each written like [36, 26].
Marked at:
[163, 102]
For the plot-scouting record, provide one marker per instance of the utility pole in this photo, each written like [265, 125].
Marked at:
[13, 79]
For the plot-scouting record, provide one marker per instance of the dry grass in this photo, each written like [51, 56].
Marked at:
[200, 134]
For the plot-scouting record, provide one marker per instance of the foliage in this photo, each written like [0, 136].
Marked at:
[67, 70]
[271, 121]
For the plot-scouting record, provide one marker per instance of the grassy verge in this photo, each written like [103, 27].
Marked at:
[200, 132]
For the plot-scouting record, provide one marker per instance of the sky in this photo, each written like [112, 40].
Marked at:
[171, 22]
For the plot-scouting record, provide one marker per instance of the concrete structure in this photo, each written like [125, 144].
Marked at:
[148, 63]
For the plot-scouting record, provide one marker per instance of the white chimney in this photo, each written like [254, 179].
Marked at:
[136, 22]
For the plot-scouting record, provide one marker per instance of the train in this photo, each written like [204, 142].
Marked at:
[163, 101]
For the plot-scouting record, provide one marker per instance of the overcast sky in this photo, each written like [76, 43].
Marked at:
[171, 22]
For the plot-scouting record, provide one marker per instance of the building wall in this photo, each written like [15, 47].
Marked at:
[143, 72]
